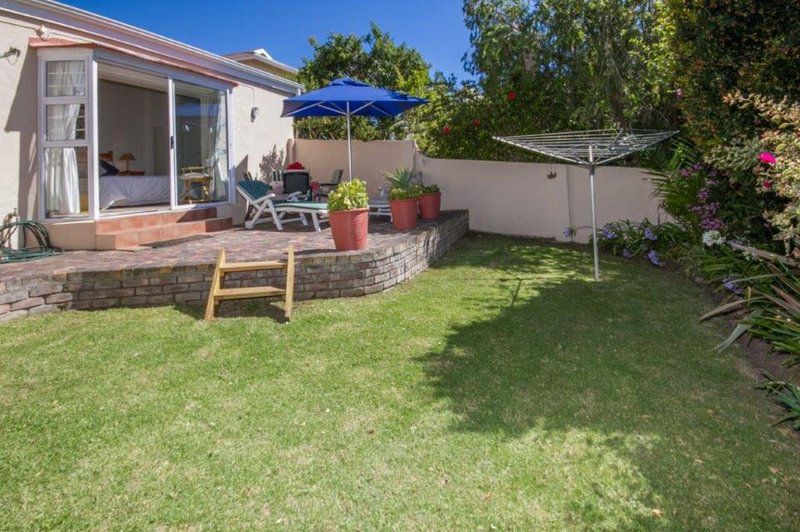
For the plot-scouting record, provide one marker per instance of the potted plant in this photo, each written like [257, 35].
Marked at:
[348, 207]
[403, 198]
[430, 202]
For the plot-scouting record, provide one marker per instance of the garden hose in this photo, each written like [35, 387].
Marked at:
[27, 229]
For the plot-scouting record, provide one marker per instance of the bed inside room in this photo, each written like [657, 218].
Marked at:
[133, 140]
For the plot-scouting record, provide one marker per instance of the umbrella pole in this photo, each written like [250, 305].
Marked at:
[349, 145]
[594, 219]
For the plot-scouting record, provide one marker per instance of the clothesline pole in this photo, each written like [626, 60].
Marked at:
[594, 217]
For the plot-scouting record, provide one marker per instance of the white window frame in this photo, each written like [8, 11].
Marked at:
[91, 58]
[89, 141]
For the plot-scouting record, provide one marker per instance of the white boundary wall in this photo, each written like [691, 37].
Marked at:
[502, 197]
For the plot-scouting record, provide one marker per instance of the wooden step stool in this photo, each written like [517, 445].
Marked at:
[218, 293]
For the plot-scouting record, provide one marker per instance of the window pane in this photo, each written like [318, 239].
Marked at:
[66, 122]
[66, 181]
[201, 148]
[66, 78]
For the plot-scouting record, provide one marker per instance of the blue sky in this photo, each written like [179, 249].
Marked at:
[434, 27]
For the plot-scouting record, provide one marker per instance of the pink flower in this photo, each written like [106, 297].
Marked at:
[476, 122]
[679, 93]
[767, 157]
[511, 96]
[446, 130]
[767, 184]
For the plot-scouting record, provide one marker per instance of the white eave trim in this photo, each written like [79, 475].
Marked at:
[97, 26]
[243, 56]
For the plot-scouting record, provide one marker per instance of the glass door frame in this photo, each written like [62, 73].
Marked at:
[89, 100]
[92, 57]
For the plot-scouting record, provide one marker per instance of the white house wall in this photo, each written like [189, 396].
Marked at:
[18, 115]
[252, 140]
[255, 139]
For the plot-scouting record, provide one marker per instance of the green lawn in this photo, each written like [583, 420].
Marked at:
[501, 388]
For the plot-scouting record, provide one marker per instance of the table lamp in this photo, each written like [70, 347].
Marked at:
[127, 157]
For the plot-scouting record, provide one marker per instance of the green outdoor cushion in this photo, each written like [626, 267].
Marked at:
[316, 205]
[254, 190]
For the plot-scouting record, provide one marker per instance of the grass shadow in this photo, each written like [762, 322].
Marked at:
[256, 308]
[620, 367]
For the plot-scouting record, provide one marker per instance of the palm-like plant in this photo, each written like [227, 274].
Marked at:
[401, 178]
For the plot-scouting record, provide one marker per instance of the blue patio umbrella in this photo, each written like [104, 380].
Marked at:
[348, 97]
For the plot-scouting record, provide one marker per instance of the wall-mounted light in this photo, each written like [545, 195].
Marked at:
[254, 112]
[11, 51]
[43, 32]
[551, 175]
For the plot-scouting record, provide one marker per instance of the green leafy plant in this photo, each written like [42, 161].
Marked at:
[401, 178]
[642, 239]
[775, 162]
[348, 196]
[430, 189]
[787, 395]
[412, 192]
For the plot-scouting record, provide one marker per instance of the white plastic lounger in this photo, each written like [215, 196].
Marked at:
[257, 194]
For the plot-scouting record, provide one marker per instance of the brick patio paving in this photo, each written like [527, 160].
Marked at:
[179, 271]
[263, 242]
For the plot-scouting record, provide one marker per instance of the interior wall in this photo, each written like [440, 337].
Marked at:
[127, 120]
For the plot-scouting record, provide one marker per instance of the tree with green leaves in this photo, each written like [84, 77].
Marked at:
[549, 65]
[724, 46]
[373, 58]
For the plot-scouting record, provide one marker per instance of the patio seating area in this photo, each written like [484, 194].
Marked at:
[180, 271]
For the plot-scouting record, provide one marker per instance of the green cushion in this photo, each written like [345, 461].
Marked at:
[254, 190]
[316, 205]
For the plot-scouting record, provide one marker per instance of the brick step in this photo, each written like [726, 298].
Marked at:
[153, 219]
[137, 237]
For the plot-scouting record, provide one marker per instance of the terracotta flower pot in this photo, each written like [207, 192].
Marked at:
[349, 229]
[430, 205]
[404, 213]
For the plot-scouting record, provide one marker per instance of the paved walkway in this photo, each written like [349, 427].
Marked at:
[261, 243]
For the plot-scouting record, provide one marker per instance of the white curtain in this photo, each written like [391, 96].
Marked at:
[219, 143]
[63, 196]
[65, 78]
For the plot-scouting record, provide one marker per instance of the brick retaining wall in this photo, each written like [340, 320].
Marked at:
[316, 276]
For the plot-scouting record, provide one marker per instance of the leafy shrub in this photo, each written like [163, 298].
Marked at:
[777, 167]
[724, 46]
[348, 196]
[787, 395]
[645, 239]
[412, 192]
[430, 189]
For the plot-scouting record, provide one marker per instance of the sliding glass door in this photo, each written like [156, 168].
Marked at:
[169, 130]
[201, 144]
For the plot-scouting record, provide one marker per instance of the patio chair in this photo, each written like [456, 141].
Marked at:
[258, 195]
[296, 181]
[336, 178]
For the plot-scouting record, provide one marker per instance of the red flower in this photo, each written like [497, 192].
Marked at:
[446, 130]
[511, 96]
[476, 122]
[767, 184]
[767, 157]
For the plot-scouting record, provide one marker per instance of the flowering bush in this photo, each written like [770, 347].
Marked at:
[722, 193]
[630, 239]
[777, 169]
